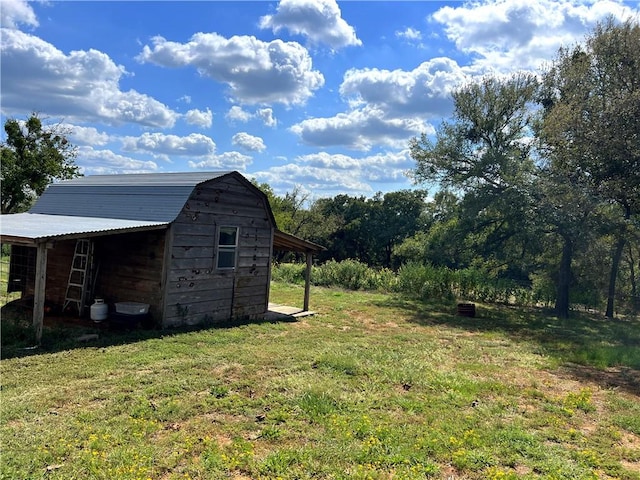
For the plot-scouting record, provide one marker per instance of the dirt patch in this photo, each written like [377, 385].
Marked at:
[623, 378]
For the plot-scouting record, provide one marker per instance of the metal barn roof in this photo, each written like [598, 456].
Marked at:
[97, 204]
[140, 179]
[31, 228]
[148, 197]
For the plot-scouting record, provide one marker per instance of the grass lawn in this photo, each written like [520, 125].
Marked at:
[372, 387]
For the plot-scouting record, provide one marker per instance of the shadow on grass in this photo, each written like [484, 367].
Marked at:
[66, 333]
[586, 346]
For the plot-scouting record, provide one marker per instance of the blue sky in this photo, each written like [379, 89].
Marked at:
[308, 94]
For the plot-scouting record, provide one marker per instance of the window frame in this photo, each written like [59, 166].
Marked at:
[224, 248]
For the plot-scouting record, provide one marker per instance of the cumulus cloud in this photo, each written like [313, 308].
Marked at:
[266, 115]
[360, 129]
[388, 107]
[424, 90]
[96, 162]
[255, 71]
[199, 118]
[326, 174]
[410, 34]
[80, 86]
[16, 12]
[318, 180]
[238, 114]
[320, 21]
[488, 30]
[192, 145]
[224, 161]
[89, 136]
[249, 142]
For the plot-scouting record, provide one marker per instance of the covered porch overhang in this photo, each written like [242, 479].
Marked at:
[286, 242]
[42, 231]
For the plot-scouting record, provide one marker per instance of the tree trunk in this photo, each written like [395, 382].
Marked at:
[615, 266]
[635, 299]
[564, 279]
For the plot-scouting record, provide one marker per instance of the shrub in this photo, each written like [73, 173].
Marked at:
[288, 272]
[425, 281]
[353, 275]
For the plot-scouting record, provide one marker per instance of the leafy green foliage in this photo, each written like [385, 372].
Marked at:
[351, 274]
[591, 126]
[33, 155]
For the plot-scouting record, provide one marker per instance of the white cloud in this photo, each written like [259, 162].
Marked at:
[507, 35]
[81, 86]
[95, 162]
[186, 99]
[89, 136]
[249, 142]
[319, 20]
[325, 174]
[224, 161]
[255, 71]
[16, 12]
[425, 90]
[388, 107]
[192, 145]
[266, 115]
[360, 130]
[321, 181]
[410, 34]
[200, 118]
[238, 114]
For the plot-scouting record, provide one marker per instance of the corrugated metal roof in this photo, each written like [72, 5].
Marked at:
[32, 227]
[141, 179]
[146, 196]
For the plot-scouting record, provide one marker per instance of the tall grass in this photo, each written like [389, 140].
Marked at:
[352, 275]
[348, 274]
[419, 281]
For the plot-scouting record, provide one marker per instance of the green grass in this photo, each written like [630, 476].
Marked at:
[372, 387]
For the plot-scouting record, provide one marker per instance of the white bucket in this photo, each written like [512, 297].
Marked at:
[99, 310]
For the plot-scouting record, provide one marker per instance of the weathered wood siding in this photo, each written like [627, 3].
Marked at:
[130, 269]
[58, 265]
[196, 292]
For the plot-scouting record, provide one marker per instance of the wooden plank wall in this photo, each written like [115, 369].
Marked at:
[58, 265]
[198, 293]
[130, 269]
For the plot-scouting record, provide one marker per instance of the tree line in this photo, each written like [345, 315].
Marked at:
[537, 180]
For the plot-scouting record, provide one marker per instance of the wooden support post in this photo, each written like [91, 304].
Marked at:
[307, 281]
[40, 287]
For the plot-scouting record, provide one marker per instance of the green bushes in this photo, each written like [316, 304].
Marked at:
[349, 274]
[352, 275]
[288, 272]
[425, 282]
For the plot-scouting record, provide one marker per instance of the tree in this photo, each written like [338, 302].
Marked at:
[592, 123]
[483, 155]
[399, 216]
[33, 156]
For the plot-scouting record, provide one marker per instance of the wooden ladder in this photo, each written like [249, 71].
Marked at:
[79, 281]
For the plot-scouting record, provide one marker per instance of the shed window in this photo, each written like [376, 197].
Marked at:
[227, 247]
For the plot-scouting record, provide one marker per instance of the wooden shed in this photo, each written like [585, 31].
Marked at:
[195, 247]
